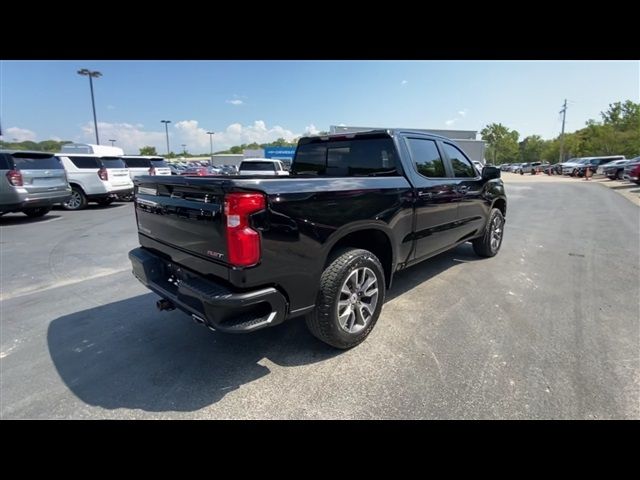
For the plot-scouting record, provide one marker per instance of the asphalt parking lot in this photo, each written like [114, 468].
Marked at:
[547, 329]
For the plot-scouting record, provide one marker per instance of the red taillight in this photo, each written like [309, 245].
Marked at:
[15, 178]
[152, 170]
[103, 174]
[243, 242]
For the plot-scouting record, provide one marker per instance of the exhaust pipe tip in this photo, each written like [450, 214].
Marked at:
[164, 304]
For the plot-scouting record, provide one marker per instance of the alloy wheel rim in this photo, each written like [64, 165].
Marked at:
[74, 201]
[357, 300]
[496, 233]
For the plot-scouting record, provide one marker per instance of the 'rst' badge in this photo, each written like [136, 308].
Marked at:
[214, 254]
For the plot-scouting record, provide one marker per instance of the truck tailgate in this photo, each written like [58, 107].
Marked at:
[183, 212]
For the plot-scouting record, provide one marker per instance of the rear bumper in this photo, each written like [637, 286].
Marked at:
[217, 305]
[36, 202]
[111, 194]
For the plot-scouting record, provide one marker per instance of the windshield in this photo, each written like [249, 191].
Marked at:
[34, 162]
[159, 163]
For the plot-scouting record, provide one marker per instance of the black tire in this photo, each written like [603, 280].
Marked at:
[619, 175]
[36, 212]
[78, 199]
[323, 322]
[105, 202]
[483, 246]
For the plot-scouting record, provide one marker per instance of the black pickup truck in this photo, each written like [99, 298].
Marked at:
[242, 253]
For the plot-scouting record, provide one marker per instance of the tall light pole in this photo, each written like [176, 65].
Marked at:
[211, 145]
[92, 74]
[166, 128]
[184, 149]
[112, 142]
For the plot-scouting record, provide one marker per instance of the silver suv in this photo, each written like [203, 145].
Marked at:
[31, 182]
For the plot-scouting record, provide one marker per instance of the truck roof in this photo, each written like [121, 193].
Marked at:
[380, 132]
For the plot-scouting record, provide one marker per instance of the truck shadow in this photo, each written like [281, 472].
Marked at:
[127, 355]
[410, 278]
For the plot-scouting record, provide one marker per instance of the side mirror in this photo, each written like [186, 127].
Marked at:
[489, 173]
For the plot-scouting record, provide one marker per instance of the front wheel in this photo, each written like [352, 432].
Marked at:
[350, 299]
[36, 212]
[489, 243]
[619, 175]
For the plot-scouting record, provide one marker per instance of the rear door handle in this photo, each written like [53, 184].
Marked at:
[425, 194]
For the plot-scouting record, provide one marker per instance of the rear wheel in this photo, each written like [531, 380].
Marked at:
[77, 201]
[350, 299]
[619, 174]
[36, 212]
[489, 243]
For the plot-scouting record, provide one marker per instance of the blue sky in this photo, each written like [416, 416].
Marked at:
[245, 101]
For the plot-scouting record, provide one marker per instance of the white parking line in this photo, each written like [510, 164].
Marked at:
[63, 283]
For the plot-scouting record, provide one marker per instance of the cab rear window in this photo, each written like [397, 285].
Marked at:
[344, 158]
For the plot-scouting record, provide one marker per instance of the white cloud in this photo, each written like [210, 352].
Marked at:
[55, 138]
[19, 134]
[463, 113]
[131, 137]
[403, 82]
[449, 123]
[235, 101]
[460, 115]
[311, 130]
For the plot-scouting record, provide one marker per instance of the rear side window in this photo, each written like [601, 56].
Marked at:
[425, 155]
[112, 163]
[26, 162]
[358, 157]
[5, 163]
[85, 162]
[136, 162]
[257, 166]
[461, 165]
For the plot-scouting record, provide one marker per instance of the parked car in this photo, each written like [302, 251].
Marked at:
[240, 254]
[195, 171]
[613, 170]
[593, 163]
[94, 178]
[262, 166]
[632, 170]
[31, 182]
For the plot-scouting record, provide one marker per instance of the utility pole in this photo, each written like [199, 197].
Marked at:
[166, 128]
[112, 142]
[564, 116]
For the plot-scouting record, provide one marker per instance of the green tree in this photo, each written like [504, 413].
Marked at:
[623, 116]
[235, 150]
[147, 150]
[531, 148]
[502, 143]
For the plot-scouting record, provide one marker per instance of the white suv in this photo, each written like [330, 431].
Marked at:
[262, 166]
[95, 178]
[146, 165]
